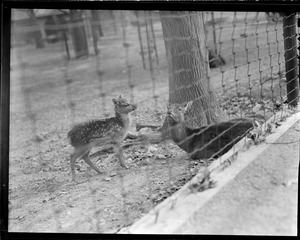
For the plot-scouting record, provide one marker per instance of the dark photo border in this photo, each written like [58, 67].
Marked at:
[6, 6]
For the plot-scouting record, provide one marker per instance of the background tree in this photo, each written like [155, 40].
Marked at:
[184, 37]
[187, 57]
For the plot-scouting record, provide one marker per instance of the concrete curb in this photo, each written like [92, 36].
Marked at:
[172, 213]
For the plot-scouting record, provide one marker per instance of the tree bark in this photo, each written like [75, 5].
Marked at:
[184, 36]
[187, 56]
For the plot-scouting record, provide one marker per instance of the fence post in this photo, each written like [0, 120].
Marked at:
[290, 49]
[298, 25]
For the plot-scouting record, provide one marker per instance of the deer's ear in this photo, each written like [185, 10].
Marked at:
[188, 105]
[168, 105]
[120, 97]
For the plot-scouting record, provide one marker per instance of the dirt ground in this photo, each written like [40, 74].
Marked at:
[42, 196]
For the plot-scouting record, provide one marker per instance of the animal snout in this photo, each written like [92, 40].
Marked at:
[170, 114]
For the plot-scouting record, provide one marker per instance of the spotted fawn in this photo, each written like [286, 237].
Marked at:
[96, 133]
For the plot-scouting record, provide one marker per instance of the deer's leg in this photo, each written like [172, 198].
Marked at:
[86, 158]
[119, 153]
[77, 152]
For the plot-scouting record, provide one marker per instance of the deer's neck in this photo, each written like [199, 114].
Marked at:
[179, 135]
[123, 119]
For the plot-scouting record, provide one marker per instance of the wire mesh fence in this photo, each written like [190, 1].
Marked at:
[67, 66]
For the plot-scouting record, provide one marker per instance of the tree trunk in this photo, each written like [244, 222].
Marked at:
[187, 57]
[79, 35]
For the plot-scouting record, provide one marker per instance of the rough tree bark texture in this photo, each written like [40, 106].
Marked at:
[184, 36]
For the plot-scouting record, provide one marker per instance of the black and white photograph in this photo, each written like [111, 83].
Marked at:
[153, 121]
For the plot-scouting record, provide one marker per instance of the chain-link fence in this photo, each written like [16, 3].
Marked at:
[68, 65]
